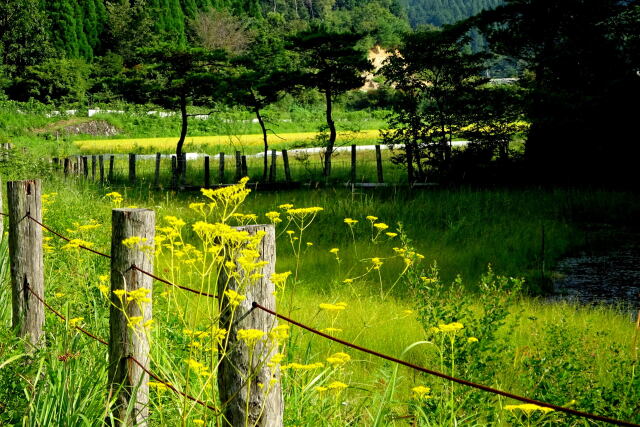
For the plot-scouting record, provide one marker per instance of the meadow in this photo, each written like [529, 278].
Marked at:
[580, 356]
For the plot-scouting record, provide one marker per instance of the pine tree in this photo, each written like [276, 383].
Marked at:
[64, 35]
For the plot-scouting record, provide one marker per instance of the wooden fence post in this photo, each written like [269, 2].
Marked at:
[112, 159]
[207, 173]
[245, 169]
[132, 168]
[221, 169]
[272, 170]
[85, 166]
[128, 340]
[287, 170]
[156, 177]
[101, 167]
[243, 374]
[174, 165]
[238, 166]
[94, 162]
[25, 252]
[353, 163]
[379, 163]
[67, 166]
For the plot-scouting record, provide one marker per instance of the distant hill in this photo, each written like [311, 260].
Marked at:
[440, 12]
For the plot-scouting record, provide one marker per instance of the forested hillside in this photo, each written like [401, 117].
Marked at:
[440, 12]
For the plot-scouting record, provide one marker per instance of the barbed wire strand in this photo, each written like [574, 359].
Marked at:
[100, 340]
[448, 377]
[49, 229]
[159, 279]
[168, 385]
[54, 311]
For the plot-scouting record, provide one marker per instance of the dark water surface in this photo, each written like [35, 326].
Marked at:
[611, 276]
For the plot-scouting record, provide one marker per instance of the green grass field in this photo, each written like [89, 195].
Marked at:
[562, 353]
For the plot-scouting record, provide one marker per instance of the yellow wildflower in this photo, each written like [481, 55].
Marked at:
[234, 298]
[75, 321]
[250, 336]
[381, 226]
[391, 235]
[337, 385]
[372, 218]
[350, 221]
[338, 359]
[421, 392]
[334, 250]
[528, 408]
[333, 307]
[472, 340]
[451, 327]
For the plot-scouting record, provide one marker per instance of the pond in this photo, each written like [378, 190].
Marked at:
[610, 277]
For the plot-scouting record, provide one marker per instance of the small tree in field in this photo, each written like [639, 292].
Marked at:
[333, 63]
[176, 77]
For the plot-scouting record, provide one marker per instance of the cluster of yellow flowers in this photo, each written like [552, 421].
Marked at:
[76, 243]
[197, 367]
[338, 359]
[421, 392]
[301, 367]
[333, 307]
[335, 385]
[116, 198]
[528, 408]
[250, 336]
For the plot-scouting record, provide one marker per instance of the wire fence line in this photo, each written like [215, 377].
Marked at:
[256, 305]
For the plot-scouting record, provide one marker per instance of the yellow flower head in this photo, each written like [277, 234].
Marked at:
[338, 359]
[381, 226]
[337, 385]
[372, 218]
[451, 327]
[421, 392]
[234, 298]
[334, 250]
[350, 221]
[250, 336]
[75, 321]
[333, 307]
[528, 408]
[472, 340]
[391, 235]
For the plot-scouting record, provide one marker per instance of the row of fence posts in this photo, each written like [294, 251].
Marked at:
[128, 381]
[79, 165]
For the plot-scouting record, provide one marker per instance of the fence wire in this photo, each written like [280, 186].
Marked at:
[314, 331]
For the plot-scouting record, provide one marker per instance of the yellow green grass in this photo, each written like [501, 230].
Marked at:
[227, 143]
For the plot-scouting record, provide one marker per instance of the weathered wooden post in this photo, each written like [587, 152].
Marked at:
[156, 176]
[129, 320]
[245, 169]
[221, 169]
[379, 163]
[112, 160]
[238, 167]
[287, 170]
[132, 168]
[244, 378]
[25, 253]
[67, 166]
[182, 164]
[101, 167]
[207, 173]
[353, 163]
[272, 170]
[94, 163]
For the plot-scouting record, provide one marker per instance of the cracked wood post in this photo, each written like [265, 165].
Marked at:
[207, 173]
[25, 252]
[93, 167]
[132, 168]
[127, 381]
[67, 166]
[221, 169]
[265, 402]
[85, 167]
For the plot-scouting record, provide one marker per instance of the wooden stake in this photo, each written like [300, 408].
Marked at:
[85, 166]
[128, 338]
[238, 166]
[207, 173]
[132, 168]
[101, 167]
[156, 178]
[272, 170]
[94, 164]
[221, 169]
[379, 164]
[287, 170]
[353, 163]
[112, 159]
[25, 252]
[245, 170]
[244, 379]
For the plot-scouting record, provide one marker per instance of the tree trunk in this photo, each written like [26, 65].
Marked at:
[181, 166]
[332, 135]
